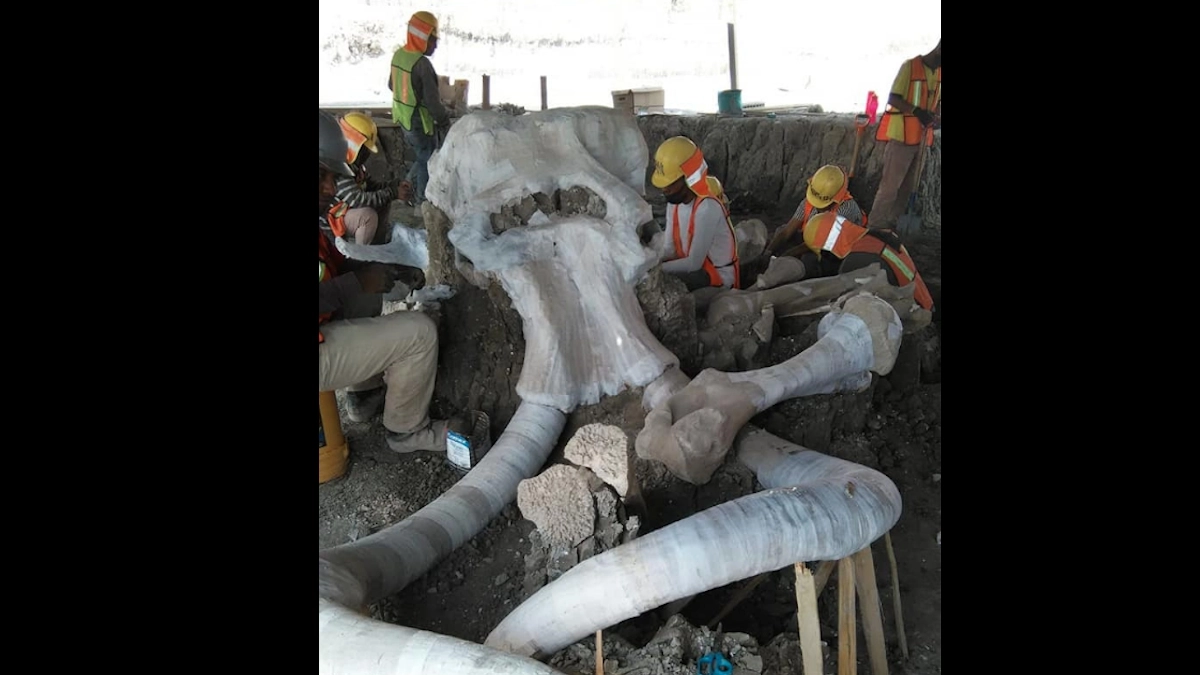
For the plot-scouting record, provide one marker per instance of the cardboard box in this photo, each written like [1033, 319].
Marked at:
[634, 101]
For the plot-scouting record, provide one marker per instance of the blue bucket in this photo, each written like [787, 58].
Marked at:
[729, 102]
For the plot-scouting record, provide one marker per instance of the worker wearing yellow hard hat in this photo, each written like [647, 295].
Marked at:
[700, 246]
[827, 189]
[361, 202]
[855, 247]
[414, 84]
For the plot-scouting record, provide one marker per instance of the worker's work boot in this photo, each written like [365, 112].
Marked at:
[431, 438]
[361, 406]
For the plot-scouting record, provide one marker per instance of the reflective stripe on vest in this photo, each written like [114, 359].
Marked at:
[837, 235]
[337, 218]
[404, 97]
[901, 263]
[919, 95]
[714, 276]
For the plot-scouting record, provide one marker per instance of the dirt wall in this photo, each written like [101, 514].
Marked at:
[763, 163]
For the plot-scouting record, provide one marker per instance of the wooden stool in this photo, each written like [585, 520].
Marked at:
[856, 573]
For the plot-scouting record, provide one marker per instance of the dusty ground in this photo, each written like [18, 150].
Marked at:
[895, 427]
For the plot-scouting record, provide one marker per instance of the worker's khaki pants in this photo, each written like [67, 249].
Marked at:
[400, 349]
[362, 223]
[899, 179]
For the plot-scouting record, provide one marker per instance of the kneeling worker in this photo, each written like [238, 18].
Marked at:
[705, 254]
[830, 234]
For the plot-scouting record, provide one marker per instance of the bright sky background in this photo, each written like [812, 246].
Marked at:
[787, 52]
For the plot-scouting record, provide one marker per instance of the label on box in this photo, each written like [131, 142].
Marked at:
[458, 450]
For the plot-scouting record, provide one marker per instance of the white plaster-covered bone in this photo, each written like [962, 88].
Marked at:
[571, 279]
[409, 246]
[691, 430]
[815, 507]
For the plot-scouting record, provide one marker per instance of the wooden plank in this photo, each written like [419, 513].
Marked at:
[847, 621]
[487, 92]
[870, 609]
[738, 596]
[808, 622]
[887, 538]
[824, 570]
[599, 653]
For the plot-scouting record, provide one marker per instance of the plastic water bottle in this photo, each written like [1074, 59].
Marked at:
[872, 106]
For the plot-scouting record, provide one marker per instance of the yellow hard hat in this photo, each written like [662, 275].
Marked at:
[428, 19]
[813, 225]
[359, 130]
[669, 159]
[717, 190]
[825, 186]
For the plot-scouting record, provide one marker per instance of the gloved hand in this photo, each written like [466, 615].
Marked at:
[924, 115]
[413, 277]
[377, 277]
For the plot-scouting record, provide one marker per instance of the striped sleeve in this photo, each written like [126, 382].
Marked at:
[851, 211]
[355, 197]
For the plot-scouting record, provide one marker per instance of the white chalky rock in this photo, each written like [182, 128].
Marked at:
[559, 503]
[571, 279]
[603, 448]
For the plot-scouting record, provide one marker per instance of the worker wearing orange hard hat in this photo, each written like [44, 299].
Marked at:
[416, 103]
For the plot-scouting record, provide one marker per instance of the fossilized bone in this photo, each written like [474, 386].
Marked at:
[691, 431]
[572, 282]
[353, 575]
[407, 247]
[817, 508]
[819, 296]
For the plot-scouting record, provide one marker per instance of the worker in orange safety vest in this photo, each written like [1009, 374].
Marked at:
[699, 246]
[832, 236]
[914, 111]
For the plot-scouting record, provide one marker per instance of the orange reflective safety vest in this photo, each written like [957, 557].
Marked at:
[330, 260]
[695, 171]
[921, 93]
[842, 237]
[337, 218]
[714, 277]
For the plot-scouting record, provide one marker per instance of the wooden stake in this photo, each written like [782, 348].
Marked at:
[808, 622]
[824, 570]
[543, 92]
[487, 92]
[870, 610]
[738, 596]
[887, 538]
[599, 653]
[847, 623]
